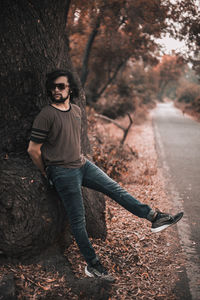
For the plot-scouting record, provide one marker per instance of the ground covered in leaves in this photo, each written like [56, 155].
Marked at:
[145, 265]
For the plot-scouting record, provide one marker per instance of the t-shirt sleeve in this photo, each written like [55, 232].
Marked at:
[41, 127]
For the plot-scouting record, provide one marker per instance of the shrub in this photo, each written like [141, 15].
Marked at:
[196, 104]
[106, 154]
[115, 108]
[188, 92]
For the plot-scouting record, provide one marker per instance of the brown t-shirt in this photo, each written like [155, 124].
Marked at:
[59, 132]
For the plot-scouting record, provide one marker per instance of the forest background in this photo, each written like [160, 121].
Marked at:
[113, 46]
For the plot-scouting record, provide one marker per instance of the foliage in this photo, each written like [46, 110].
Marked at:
[119, 101]
[135, 86]
[187, 14]
[168, 72]
[196, 104]
[124, 30]
[110, 158]
[113, 160]
[104, 35]
[144, 82]
[188, 92]
[116, 107]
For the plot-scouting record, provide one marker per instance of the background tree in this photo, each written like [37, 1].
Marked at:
[188, 92]
[32, 219]
[135, 86]
[169, 70]
[125, 30]
[183, 24]
[189, 29]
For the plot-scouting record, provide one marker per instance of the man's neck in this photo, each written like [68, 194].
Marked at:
[62, 106]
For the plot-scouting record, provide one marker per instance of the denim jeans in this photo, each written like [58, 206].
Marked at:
[68, 182]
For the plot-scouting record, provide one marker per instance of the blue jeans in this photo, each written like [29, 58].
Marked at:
[68, 182]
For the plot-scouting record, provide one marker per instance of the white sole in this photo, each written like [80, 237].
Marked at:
[105, 277]
[88, 273]
[154, 230]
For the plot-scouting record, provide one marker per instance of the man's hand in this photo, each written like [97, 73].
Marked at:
[46, 180]
[34, 150]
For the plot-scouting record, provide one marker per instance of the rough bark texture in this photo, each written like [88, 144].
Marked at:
[33, 43]
[7, 288]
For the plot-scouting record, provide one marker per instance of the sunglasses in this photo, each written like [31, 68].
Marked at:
[60, 86]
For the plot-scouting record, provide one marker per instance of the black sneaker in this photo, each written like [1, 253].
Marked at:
[97, 270]
[162, 221]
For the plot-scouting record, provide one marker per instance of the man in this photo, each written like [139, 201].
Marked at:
[56, 150]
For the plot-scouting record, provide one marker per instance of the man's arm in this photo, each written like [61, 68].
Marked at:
[34, 150]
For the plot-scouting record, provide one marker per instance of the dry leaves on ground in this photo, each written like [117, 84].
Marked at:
[145, 265]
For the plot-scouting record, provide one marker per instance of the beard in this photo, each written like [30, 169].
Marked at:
[60, 100]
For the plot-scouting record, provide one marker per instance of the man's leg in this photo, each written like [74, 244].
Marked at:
[68, 185]
[96, 179]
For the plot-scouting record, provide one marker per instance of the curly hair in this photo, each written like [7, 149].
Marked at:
[50, 77]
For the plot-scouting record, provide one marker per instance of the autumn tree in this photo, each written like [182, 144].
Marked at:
[190, 32]
[105, 35]
[183, 24]
[188, 29]
[168, 72]
[32, 219]
[135, 86]
[109, 35]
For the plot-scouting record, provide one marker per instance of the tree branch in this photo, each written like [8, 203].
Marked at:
[111, 78]
[88, 48]
[125, 130]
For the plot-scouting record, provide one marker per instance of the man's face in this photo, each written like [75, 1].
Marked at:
[60, 88]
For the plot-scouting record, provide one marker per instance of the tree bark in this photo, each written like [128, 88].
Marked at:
[33, 43]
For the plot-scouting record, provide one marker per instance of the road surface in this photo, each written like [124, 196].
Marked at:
[178, 146]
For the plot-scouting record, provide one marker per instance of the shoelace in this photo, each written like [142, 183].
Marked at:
[160, 214]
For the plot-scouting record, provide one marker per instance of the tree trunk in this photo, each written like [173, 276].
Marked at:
[84, 69]
[33, 42]
[161, 90]
[92, 97]
[111, 78]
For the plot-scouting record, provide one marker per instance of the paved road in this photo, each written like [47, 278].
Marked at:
[178, 147]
